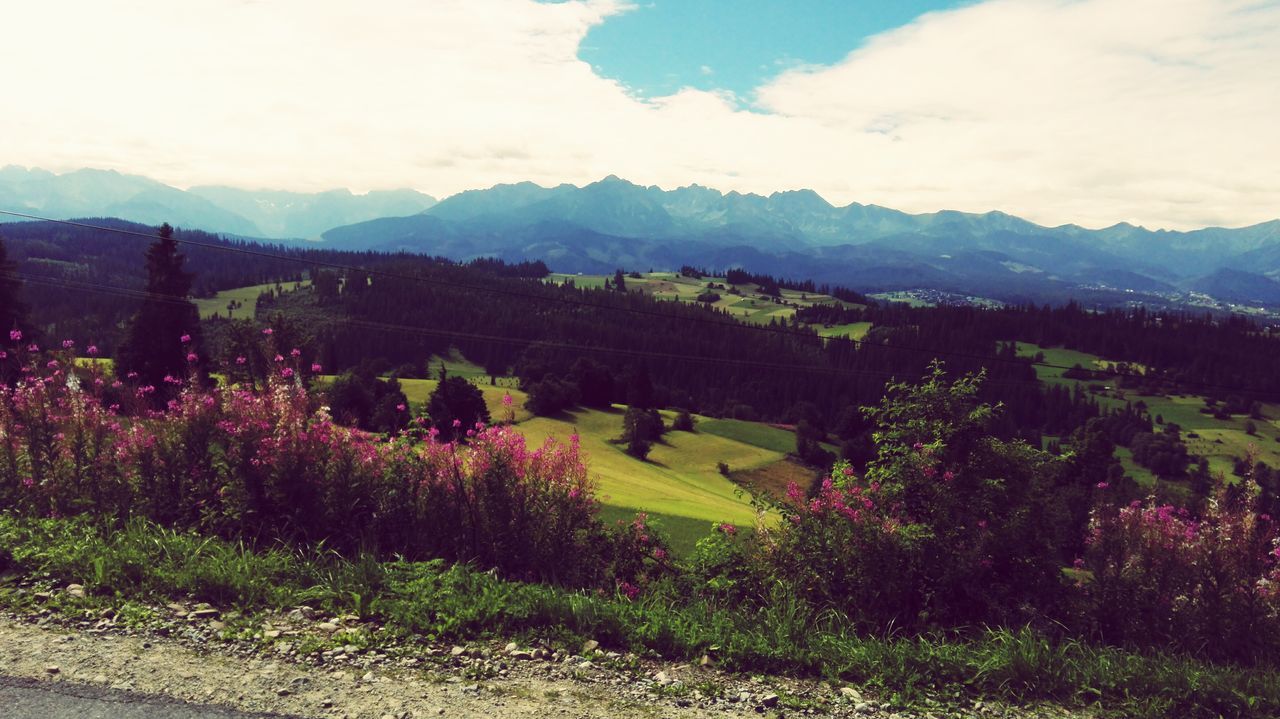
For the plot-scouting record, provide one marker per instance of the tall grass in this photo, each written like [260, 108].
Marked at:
[435, 602]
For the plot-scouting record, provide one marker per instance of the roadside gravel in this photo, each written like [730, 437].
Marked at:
[187, 658]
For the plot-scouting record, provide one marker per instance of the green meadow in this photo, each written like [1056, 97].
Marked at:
[246, 297]
[1220, 441]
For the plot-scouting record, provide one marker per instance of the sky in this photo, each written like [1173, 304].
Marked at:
[1162, 113]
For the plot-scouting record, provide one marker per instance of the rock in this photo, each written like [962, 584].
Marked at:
[52, 669]
[706, 661]
[283, 692]
[271, 634]
[744, 696]
[457, 651]
[769, 701]
[523, 655]
[42, 596]
[217, 626]
[75, 590]
[662, 679]
[864, 708]
[512, 647]
[203, 612]
[589, 646]
[850, 694]
[368, 677]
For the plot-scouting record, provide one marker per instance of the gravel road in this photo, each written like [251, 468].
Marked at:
[34, 699]
[52, 670]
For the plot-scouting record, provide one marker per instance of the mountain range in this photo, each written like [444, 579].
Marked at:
[797, 234]
[264, 214]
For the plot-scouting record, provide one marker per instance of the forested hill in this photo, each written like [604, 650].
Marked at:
[82, 284]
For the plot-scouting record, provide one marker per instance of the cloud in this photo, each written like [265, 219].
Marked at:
[1090, 111]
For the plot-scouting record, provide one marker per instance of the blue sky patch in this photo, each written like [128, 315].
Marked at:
[661, 46]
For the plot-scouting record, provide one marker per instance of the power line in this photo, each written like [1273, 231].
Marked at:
[409, 329]
[130, 293]
[374, 272]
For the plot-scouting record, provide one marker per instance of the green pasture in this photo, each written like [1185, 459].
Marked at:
[852, 330]
[682, 532]
[455, 365]
[1220, 441]
[756, 434]
[680, 478]
[749, 305]
[246, 296]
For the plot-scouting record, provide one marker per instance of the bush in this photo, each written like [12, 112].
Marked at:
[1210, 585]
[948, 526]
[550, 396]
[639, 448]
[683, 421]
[642, 424]
[455, 407]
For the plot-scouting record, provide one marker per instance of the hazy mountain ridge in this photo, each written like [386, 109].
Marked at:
[247, 213]
[613, 222]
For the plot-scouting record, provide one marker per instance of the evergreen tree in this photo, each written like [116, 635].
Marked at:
[455, 407]
[155, 348]
[619, 282]
[13, 314]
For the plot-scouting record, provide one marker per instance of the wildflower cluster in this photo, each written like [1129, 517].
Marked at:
[1157, 575]
[264, 460]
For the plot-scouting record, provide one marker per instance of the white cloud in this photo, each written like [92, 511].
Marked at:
[1093, 111]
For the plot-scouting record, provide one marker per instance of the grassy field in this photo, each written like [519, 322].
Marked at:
[456, 365]
[679, 479]
[749, 305]
[765, 436]
[1220, 440]
[680, 483]
[683, 533]
[774, 479]
[246, 296]
[418, 391]
[853, 330]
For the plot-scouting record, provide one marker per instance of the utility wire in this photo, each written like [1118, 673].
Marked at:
[129, 293]
[374, 272]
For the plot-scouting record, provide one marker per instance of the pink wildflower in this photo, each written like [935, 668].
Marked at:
[68, 344]
[184, 339]
[287, 372]
[316, 368]
[268, 332]
[15, 335]
[295, 352]
[240, 360]
[192, 357]
[92, 350]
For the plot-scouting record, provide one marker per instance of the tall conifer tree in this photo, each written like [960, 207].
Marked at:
[13, 313]
[154, 348]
